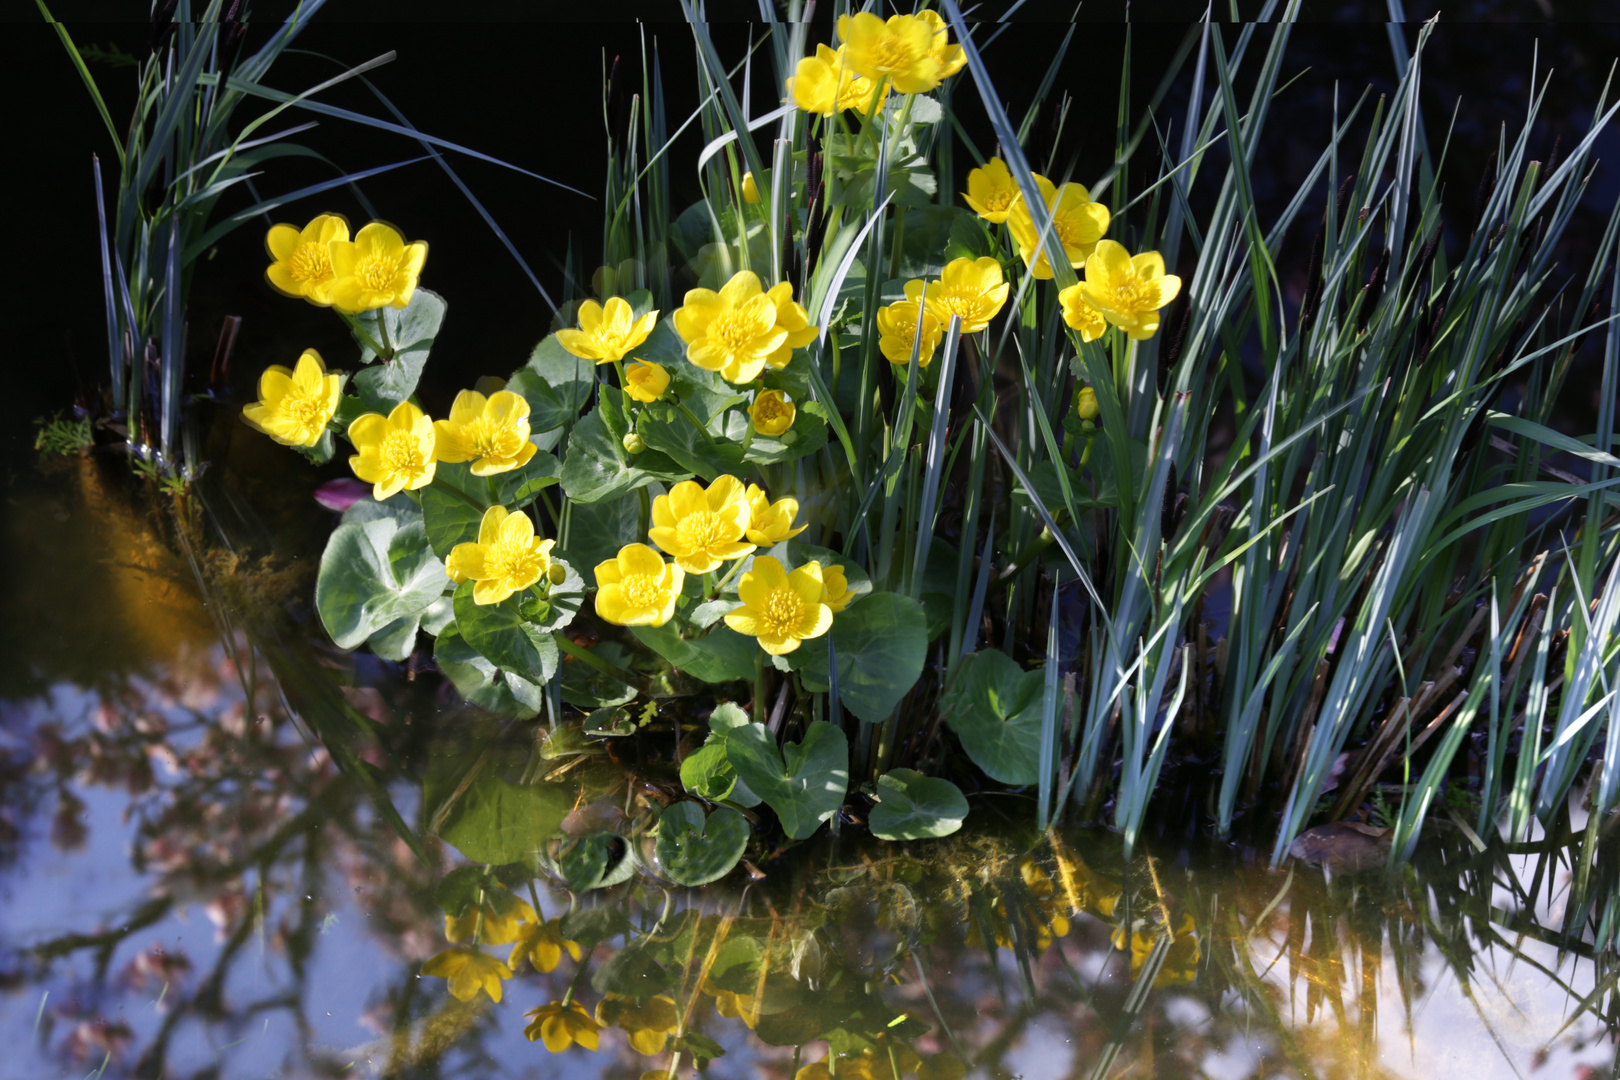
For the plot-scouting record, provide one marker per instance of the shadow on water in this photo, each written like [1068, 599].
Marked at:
[215, 861]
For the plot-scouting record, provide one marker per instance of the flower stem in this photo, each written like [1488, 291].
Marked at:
[690, 415]
[759, 686]
[735, 566]
[458, 493]
[382, 328]
[360, 335]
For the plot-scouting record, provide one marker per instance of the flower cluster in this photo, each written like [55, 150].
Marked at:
[321, 264]
[498, 919]
[972, 289]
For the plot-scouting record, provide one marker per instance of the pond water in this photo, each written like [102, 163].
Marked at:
[202, 875]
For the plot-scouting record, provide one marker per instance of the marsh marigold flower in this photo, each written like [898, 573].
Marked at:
[607, 332]
[950, 56]
[772, 412]
[645, 381]
[1080, 315]
[1077, 222]
[770, 522]
[295, 406]
[825, 84]
[506, 558]
[1129, 290]
[702, 528]
[491, 432]
[637, 587]
[779, 608]
[991, 191]
[302, 258]
[971, 288]
[504, 916]
[649, 1025]
[396, 451]
[835, 588]
[542, 945]
[750, 190]
[900, 49]
[897, 327]
[1085, 403]
[375, 269]
[741, 328]
[560, 1026]
[469, 971]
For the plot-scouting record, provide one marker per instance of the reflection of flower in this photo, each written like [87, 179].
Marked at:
[303, 258]
[396, 451]
[1180, 962]
[560, 1026]
[1129, 290]
[375, 269]
[469, 971]
[991, 191]
[825, 84]
[491, 432]
[637, 587]
[702, 527]
[295, 406]
[732, 1006]
[770, 522]
[897, 327]
[941, 1066]
[503, 917]
[645, 381]
[607, 332]
[971, 288]
[1077, 222]
[779, 608]
[772, 412]
[649, 1024]
[900, 49]
[506, 558]
[542, 945]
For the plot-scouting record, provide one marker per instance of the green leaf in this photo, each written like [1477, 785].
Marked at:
[411, 332]
[588, 688]
[995, 709]
[397, 640]
[881, 643]
[563, 600]
[505, 638]
[585, 862]
[722, 655]
[707, 773]
[666, 430]
[519, 487]
[807, 435]
[555, 383]
[912, 806]
[632, 972]
[693, 851]
[491, 819]
[803, 782]
[596, 531]
[928, 231]
[592, 926]
[449, 519]
[480, 681]
[371, 575]
[598, 467]
[460, 888]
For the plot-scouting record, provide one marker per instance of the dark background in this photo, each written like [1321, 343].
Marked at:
[523, 82]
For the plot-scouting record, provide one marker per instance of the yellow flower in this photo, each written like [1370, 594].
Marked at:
[645, 381]
[396, 452]
[835, 588]
[1129, 290]
[560, 1026]
[790, 316]
[503, 918]
[779, 608]
[733, 331]
[772, 412]
[770, 522]
[991, 191]
[824, 84]
[607, 332]
[897, 327]
[469, 971]
[637, 588]
[506, 558]
[492, 432]
[750, 190]
[951, 57]
[1085, 403]
[295, 406]
[702, 528]
[375, 269]
[542, 945]
[1080, 315]
[1077, 222]
[971, 288]
[649, 1025]
[302, 263]
[900, 50]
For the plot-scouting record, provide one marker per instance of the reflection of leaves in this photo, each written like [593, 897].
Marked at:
[590, 926]
[916, 807]
[695, 851]
[488, 818]
[633, 972]
[592, 861]
[840, 1010]
[460, 889]
[699, 1046]
[803, 782]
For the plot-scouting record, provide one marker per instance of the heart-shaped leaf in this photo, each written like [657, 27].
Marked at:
[598, 467]
[487, 817]
[707, 773]
[912, 806]
[372, 574]
[803, 782]
[411, 331]
[693, 851]
[505, 638]
[995, 710]
[481, 682]
[722, 655]
[555, 383]
[881, 642]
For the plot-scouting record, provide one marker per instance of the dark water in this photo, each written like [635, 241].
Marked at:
[192, 885]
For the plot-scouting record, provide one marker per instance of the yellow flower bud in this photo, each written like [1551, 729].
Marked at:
[750, 190]
[1085, 403]
[772, 412]
[645, 381]
[634, 444]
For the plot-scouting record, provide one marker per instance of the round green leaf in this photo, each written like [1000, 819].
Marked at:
[995, 710]
[411, 331]
[372, 574]
[722, 655]
[481, 682]
[598, 467]
[803, 782]
[881, 642]
[505, 638]
[693, 851]
[912, 806]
